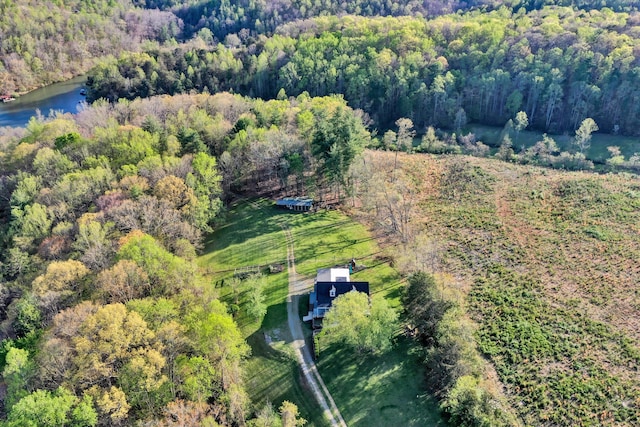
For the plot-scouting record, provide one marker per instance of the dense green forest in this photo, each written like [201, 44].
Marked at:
[250, 17]
[558, 65]
[105, 317]
[41, 45]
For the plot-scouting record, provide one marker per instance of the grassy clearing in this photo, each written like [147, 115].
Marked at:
[387, 390]
[252, 236]
[384, 390]
[548, 260]
[326, 239]
[375, 390]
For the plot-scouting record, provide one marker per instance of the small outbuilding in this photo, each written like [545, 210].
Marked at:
[298, 204]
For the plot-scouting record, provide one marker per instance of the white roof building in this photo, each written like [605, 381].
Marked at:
[333, 275]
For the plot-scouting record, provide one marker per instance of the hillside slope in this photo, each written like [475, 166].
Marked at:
[548, 263]
[46, 42]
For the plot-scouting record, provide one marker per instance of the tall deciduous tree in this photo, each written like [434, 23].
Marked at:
[123, 282]
[425, 306]
[43, 408]
[16, 373]
[167, 273]
[256, 304]
[355, 322]
[521, 122]
[206, 183]
[582, 139]
[290, 415]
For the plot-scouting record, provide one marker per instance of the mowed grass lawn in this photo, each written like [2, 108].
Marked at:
[251, 237]
[385, 390]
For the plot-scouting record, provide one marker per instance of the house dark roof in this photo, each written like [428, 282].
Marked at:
[323, 291]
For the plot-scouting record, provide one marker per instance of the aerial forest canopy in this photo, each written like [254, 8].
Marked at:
[246, 17]
[105, 318]
[105, 315]
[558, 65]
[45, 44]
[42, 45]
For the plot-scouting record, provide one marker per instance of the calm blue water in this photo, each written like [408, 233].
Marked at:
[64, 96]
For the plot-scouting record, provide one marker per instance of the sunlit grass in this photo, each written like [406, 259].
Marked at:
[383, 390]
[377, 391]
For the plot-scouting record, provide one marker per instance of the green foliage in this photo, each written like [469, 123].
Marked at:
[27, 188]
[206, 183]
[82, 231]
[47, 409]
[425, 306]
[426, 70]
[17, 372]
[28, 317]
[337, 140]
[28, 56]
[51, 164]
[455, 369]
[469, 405]
[290, 416]
[190, 141]
[199, 380]
[33, 224]
[127, 145]
[168, 273]
[583, 134]
[75, 191]
[67, 140]
[522, 332]
[84, 414]
[430, 143]
[287, 416]
[355, 322]
[215, 334]
[256, 300]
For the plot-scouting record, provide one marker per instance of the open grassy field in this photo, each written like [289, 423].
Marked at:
[385, 390]
[252, 237]
[549, 263]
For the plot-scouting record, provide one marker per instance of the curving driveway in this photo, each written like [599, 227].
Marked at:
[303, 352]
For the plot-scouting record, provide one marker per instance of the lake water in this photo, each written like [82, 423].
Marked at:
[63, 96]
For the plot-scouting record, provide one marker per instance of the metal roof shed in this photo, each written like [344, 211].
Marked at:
[299, 204]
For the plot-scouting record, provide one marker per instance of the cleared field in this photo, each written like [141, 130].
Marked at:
[548, 261]
[370, 391]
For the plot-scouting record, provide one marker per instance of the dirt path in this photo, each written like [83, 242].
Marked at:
[303, 352]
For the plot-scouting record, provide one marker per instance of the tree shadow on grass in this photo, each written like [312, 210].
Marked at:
[382, 389]
[276, 317]
[248, 222]
[275, 375]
